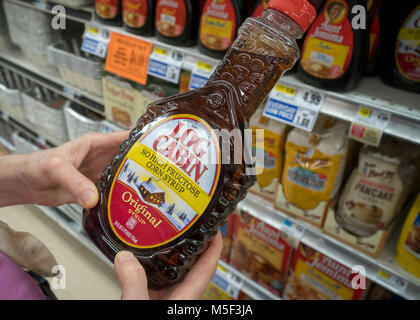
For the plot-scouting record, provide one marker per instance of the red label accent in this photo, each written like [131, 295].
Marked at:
[135, 13]
[260, 8]
[107, 9]
[374, 35]
[171, 17]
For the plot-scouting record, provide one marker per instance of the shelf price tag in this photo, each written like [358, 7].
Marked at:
[369, 125]
[95, 40]
[399, 284]
[200, 75]
[165, 64]
[42, 4]
[128, 57]
[296, 106]
[292, 233]
[228, 282]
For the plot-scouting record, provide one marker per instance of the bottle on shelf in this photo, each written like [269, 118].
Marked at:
[139, 16]
[108, 11]
[375, 25]
[167, 192]
[176, 21]
[401, 50]
[219, 22]
[333, 52]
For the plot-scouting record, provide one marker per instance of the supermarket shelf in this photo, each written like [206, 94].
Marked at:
[371, 92]
[250, 287]
[7, 144]
[14, 60]
[72, 225]
[82, 14]
[337, 250]
[24, 126]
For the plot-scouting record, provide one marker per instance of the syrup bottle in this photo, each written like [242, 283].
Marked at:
[176, 21]
[176, 180]
[375, 25]
[400, 63]
[108, 11]
[139, 16]
[333, 52]
[219, 23]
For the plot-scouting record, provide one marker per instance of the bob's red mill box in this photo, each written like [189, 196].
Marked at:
[315, 276]
[259, 251]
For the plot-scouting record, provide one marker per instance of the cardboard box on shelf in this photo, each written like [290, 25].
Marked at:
[260, 252]
[315, 276]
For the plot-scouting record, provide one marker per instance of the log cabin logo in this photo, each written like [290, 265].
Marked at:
[151, 193]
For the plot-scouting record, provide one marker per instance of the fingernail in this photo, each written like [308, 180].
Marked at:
[87, 197]
[124, 256]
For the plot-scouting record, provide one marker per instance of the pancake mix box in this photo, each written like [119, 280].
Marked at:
[315, 276]
[259, 251]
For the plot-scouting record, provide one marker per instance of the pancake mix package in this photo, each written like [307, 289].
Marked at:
[373, 196]
[270, 145]
[314, 164]
[259, 251]
[315, 276]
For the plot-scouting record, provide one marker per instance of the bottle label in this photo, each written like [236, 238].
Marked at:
[171, 17]
[260, 8]
[218, 24]
[407, 51]
[165, 182]
[135, 13]
[106, 9]
[328, 47]
[412, 243]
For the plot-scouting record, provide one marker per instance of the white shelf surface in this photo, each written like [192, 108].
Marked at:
[338, 250]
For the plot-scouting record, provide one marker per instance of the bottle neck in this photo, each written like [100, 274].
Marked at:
[264, 49]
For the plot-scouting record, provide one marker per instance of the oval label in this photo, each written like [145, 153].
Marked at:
[165, 182]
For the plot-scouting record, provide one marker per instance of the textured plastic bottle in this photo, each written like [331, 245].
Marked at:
[219, 23]
[108, 11]
[167, 192]
[333, 53]
[176, 21]
[139, 16]
[400, 63]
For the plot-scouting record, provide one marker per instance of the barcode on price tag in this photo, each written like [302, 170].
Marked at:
[200, 75]
[295, 106]
[399, 284]
[95, 40]
[165, 64]
[369, 125]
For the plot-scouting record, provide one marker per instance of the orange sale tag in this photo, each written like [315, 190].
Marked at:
[128, 57]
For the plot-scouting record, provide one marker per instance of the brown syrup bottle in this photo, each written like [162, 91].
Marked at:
[174, 181]
[108, 12]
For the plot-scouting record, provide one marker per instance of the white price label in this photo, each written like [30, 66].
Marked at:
[200, 75]
[165, 64]
[400, 285]
[228, 282]
[42, 4]
[293, 233]
[295, 106]
[69, 92]
[95, 40]
[369, 125]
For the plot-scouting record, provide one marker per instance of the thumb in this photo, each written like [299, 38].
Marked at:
[132, 277]
[82, 189]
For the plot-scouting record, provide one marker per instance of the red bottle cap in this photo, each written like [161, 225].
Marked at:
[300, 11]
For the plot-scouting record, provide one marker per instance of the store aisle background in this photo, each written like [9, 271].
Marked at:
[87, 277]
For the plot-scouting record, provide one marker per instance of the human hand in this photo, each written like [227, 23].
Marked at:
[66, 174]
[133, 280]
